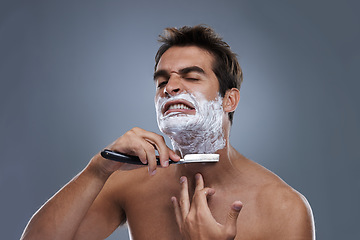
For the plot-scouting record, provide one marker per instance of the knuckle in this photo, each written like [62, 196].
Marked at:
[131, 133]
[190, 221]
[200, 215]
[204, 190]
[149, 148]
[182, 202]
[230, 233]
[150, 152]
[135, 129]
[134, 147]
[159, 141]
[160, 138]
[197, 194]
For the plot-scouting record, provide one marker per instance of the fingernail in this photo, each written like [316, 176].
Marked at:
[237, 207]
[182, 179]
[197, 176]
[166, 163]
[152, 173]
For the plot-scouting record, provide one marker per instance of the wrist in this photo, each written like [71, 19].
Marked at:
[97, 168]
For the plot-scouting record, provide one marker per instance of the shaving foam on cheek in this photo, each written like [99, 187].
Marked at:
[199, 133]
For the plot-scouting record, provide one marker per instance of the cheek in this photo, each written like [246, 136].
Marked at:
[209, 93]
[157, 96]
[156, 102]
[210, 90]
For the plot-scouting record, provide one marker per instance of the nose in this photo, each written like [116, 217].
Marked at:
[174, 86]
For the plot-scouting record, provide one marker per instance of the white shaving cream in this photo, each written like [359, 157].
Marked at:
[199, 133]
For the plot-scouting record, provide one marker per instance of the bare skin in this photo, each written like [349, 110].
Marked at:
[232, 199]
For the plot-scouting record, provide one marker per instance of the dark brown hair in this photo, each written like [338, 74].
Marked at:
[226, 66]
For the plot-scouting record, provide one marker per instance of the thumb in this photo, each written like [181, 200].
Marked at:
[232, 218]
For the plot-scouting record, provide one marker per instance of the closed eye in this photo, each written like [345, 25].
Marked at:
[161, 84]
[192, 79]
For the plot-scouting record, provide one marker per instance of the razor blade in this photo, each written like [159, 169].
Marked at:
[188, 158]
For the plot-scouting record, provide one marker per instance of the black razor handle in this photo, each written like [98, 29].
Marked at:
[121, 157]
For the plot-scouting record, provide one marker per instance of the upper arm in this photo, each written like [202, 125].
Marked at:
[105, 214]
[301, 221]
[293, 218]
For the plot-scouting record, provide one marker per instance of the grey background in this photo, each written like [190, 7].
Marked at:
[75, 75]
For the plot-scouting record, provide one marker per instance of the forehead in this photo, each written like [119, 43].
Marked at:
[176, 58]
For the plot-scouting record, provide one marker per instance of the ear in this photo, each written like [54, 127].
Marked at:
[231, 99]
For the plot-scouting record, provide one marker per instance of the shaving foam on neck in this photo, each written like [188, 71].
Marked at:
[199, 133]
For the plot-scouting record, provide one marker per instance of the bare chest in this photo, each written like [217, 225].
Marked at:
[150, 213]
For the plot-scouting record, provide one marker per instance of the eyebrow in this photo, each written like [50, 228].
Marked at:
[161, 73]
[191, 69]
[164, 73]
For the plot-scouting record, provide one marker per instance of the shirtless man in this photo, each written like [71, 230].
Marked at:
[197, 90]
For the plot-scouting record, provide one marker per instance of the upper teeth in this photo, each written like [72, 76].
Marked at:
[178, 106]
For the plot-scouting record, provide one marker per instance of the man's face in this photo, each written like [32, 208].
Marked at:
[185, 70]
[189, 107]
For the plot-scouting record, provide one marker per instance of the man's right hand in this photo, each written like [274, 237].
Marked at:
[137, 142]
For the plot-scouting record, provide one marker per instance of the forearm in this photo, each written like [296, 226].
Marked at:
[60, 216]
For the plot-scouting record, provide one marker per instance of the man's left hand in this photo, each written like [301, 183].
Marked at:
[195, 220]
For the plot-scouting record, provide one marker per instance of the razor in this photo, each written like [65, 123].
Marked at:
[188, 158]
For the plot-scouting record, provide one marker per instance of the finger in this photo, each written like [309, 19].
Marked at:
[131, 143]
[199, 182]
[158, 143]
[184, 197]
[165, 153]
[200, 205]
[133, 147]
[152, 141]
[232, 217]
[179, 218]
[200, 197]
[150, 156]
[173, 156]
[141, 153]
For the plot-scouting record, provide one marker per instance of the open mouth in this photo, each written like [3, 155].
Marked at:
[178, 106]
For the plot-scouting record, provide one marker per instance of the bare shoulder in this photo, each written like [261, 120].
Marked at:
[120, 183]
[286, 213]
[125, 186]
